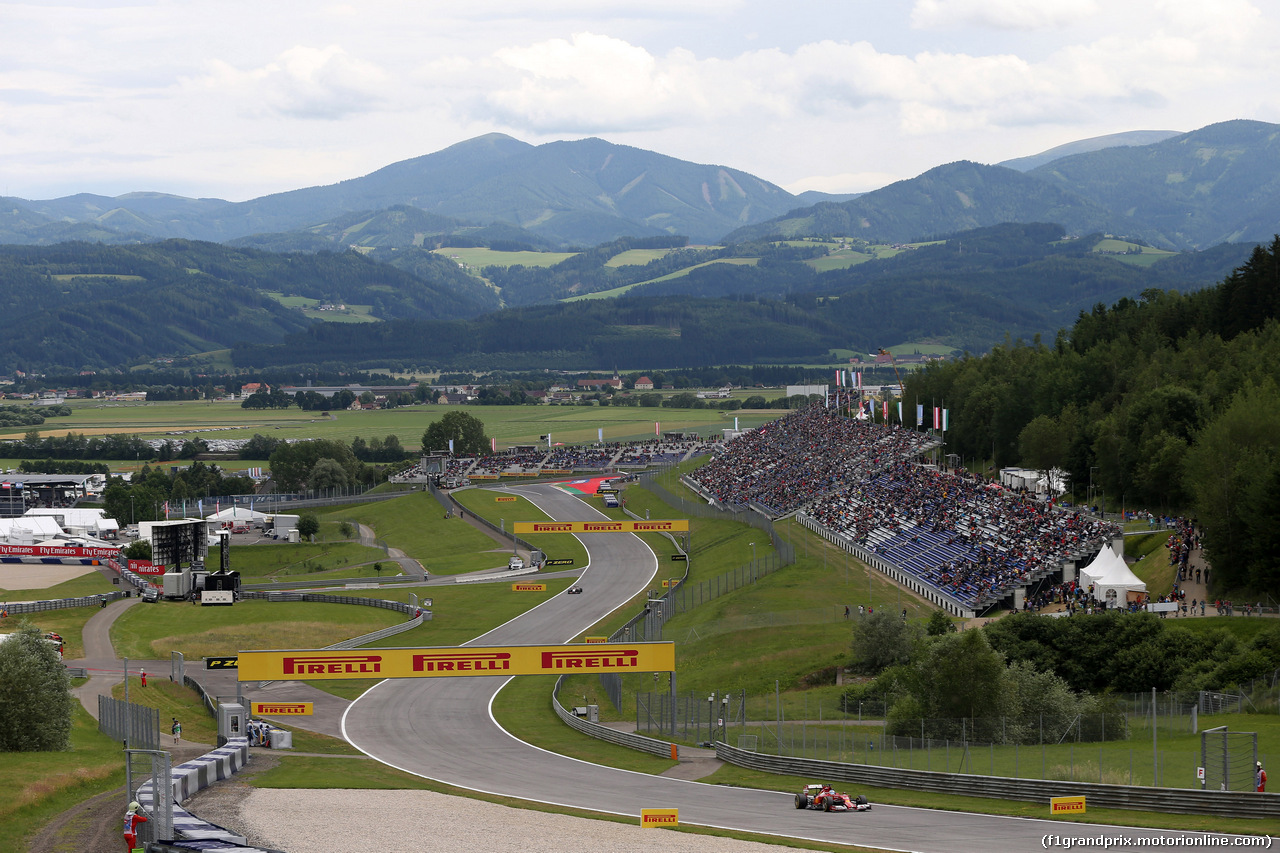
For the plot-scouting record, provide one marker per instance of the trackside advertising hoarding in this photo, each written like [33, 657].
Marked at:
[322, 664]
[659, 817]
[281, 709]
[680, 525]
[57, 551]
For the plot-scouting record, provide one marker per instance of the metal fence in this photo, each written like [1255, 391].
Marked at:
[136, 725]
[1229, 760]
[1117, 747]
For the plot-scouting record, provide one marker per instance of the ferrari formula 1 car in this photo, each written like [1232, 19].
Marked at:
[824, 798]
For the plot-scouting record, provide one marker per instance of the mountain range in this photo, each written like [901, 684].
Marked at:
[1182, 191]
[91, 281]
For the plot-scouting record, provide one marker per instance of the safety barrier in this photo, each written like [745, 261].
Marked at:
[184, 781]
[17, 607]
[1170, 800]
[660, 748]
[290, 585]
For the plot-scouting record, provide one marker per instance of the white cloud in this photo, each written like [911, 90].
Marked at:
[302, 82]
[1002, 14]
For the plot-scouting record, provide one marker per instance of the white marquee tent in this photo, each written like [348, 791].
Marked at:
[1113, 582]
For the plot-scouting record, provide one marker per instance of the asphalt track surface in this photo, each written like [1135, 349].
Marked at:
[442, 729]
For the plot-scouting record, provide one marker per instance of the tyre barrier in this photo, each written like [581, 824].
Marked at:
[192, 833]
[1170, 800]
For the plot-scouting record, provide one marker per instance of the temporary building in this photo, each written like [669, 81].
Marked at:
[1113, 581]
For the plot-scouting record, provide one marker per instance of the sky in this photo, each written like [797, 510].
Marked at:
[235, 100]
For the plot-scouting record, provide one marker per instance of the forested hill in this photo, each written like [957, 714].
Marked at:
[653, 333]
[87, 305]
[1170, 402]
[1191, 191]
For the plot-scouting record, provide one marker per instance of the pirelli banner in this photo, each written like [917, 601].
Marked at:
[680, 525]
[322, 664]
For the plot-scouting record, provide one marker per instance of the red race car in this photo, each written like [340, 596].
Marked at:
[823, 797]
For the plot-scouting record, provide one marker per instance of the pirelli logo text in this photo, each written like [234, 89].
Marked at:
[1066, 805]
[621, 659]
[679, 525]
[345, 666]
[659, 817]
[455, 663]
[320, 664]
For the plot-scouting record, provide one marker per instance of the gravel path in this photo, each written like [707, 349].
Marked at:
[301, 821]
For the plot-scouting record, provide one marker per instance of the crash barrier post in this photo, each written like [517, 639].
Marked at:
[1170, 800]
[137, 725]
[661, 748]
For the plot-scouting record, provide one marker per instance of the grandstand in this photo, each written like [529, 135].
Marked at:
[965, 544]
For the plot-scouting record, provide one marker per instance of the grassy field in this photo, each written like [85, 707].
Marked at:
[618, 291]
[1131, 253]
[150, 631]
[509, 425]
[840, 259]
[481, 257]
[310, 308]
[637, 257]
[556, 546]
[36, 787]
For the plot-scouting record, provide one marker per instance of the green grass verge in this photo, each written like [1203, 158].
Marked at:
[36, 787]
[416, 525]
[282, 561]
[482, 502]
[523, 707]
[151, 631]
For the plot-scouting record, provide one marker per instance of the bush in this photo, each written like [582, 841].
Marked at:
[35, 695]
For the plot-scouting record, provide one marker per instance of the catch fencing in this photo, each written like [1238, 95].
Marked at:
[136, 725]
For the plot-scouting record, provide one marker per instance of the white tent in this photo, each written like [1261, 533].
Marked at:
[1111, 578]
[237, 515]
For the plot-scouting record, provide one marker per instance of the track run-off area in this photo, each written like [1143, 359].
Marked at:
[443, 729]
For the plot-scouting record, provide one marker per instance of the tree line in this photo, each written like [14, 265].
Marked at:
[1169, 401]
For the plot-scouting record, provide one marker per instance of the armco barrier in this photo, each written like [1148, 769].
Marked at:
[1171, 800]
[660, 748]
[17, 607]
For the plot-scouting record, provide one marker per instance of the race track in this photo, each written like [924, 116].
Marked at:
[442, 729]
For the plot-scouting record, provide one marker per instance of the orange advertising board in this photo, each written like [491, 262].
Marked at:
[504, 498]
[444, 661]
[679, 525]
[528, 587]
